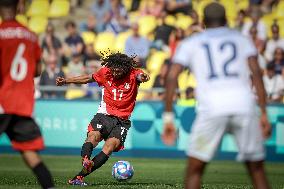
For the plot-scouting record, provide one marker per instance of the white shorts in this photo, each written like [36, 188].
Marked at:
[207, 133]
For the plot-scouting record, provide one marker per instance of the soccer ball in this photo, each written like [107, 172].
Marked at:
[122, 171]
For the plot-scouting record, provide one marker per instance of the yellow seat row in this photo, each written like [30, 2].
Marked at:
[56, 9]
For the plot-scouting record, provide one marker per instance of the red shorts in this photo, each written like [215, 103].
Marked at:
[23, 132]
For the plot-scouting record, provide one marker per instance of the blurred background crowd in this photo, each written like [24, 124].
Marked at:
[73, 34]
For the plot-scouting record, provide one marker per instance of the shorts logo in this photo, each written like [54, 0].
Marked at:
[99, 126]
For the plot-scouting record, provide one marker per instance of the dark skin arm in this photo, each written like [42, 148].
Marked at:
[38, 69]
[83, 79]
[261, 94]
[169, 133]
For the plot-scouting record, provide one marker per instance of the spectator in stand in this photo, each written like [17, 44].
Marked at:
[118, 18]
[176, 37]
[260, 46]
[74, 43]
[155, 9]
[162, 33]
[50, 43]
[75, 67]
[255, 20]
[278, 61]
[100, 10]
[274, 42]
[196, 25]
[89, 25]
[159, 83]
[189, 99]
[274, 84]
[92, 67]
[240, 20]
[178, 6]
[90, 54]
[138, 46]
[49, 75]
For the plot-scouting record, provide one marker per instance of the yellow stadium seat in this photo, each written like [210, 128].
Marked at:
[74, 93]
[120, 41]
[242, 4]
[133, 16]
[38, 8]
[279, 13]
[59, 8]
[182, 80]
[156, 61]
[147, 24]
[268, 20]
[170, 20]
[200, 6]
[22, 19]
[38, 24]
[183, 22]
[127, 4]
[88, 37]
[281, 25]
[231, 10]
[105, 42]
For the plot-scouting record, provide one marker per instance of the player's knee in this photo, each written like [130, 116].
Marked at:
[93, 137]
[111, 145]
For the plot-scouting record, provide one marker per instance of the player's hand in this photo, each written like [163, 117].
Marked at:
[169, 134]
[265, 126]
[60, 81]
[144, 77]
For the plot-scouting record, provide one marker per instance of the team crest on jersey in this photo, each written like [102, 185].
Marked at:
[109, 83]
[126, 86]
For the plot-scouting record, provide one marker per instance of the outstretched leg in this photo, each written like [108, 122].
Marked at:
[194, 173]
[257, 174]
[110, 145]
[43, 175]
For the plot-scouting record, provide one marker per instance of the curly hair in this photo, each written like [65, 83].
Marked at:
[9, 3]
[119, 60]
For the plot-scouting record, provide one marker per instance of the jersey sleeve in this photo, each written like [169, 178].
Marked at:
[182, 54]
[138, 71]
[249, 48]
[99, 76]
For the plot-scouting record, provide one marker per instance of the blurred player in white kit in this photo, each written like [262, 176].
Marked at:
[222, 61]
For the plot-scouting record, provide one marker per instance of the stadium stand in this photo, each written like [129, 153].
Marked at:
[40, 12]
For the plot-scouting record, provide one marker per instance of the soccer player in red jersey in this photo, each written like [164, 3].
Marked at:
[19, 63]
[120, 81]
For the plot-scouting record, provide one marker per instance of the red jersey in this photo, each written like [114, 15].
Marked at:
[118, 95]
[19, 54]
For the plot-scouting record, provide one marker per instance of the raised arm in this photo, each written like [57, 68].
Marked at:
[83, 79]
[261, 94]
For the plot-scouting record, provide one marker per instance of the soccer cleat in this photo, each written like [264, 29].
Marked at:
[87, 165]
[78, 181]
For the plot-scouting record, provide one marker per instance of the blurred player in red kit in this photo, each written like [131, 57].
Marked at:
[19, 63]
[120, 80]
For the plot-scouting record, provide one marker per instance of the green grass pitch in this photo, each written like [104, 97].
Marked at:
[149, 173]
